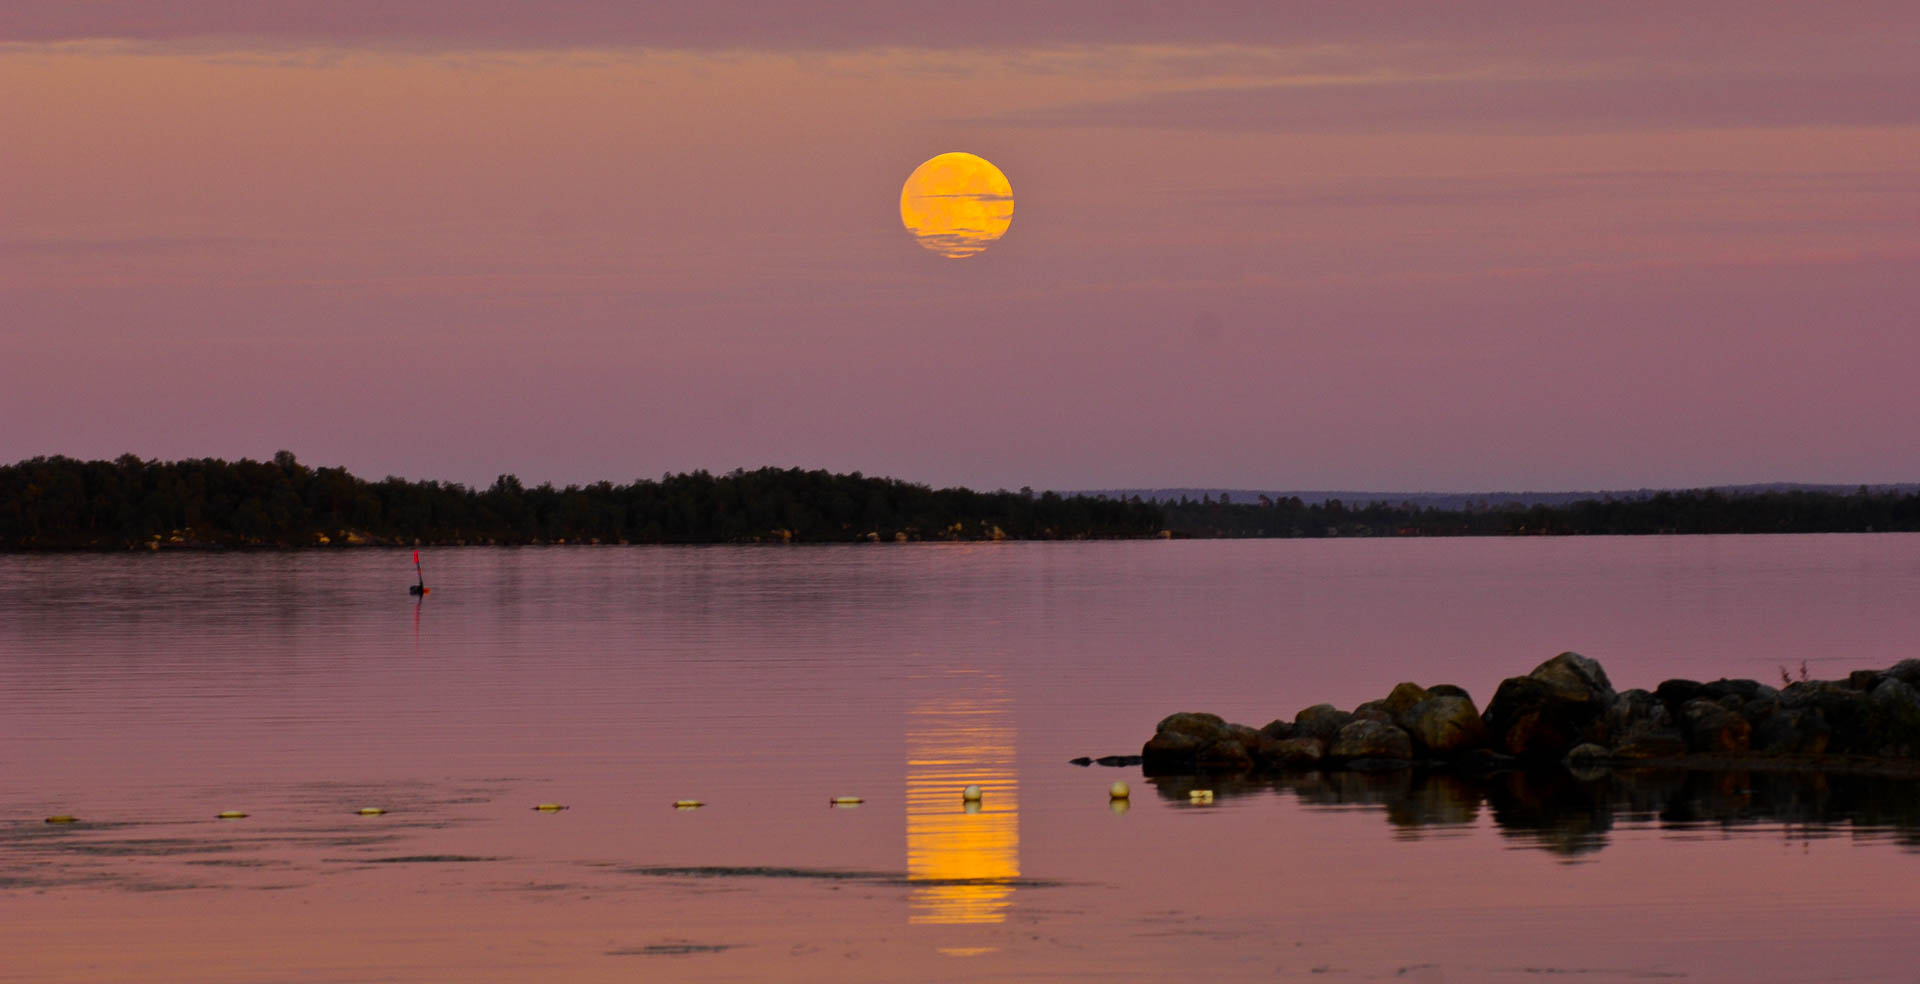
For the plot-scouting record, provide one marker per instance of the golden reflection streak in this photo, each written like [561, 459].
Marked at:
[966, 857]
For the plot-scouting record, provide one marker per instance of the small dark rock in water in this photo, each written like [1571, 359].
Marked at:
[1588, 754]
[1082, 760]
[1118, 760]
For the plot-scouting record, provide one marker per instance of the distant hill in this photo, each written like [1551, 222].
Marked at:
[1464, 500]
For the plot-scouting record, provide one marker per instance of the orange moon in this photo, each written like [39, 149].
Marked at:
[956, 204]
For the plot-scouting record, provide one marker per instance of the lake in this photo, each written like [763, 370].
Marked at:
[144, 694]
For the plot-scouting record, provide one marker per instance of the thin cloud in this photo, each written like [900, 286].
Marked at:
[1649, 27]
[1518, 104]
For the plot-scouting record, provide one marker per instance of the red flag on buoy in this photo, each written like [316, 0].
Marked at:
[416, 558]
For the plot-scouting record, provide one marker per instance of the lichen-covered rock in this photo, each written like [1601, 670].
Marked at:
[1320, 721]
[1444, 726]
[1403, 697]
[1370, 740]
[1714, 729]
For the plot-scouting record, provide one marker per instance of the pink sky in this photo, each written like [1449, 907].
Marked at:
[1462, 246]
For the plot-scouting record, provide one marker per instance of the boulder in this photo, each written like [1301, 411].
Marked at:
[1179, 739]
[1906, 671]
[1540, 717]
[1373, 710]
[1756, 711]
[1444, 726]
[1588, 753]
[1291, 753]
[1675, 692]
[1448, 690]
[1225, 755]
[1714, 729]
[1403, 697]
[1791, 732]
[1209, 727]
[1855, 724]
[1894, 718]
[1650, 738]
[1576, 677]
[1631, 707]
[1370, 740]
[1864, 680]
[1587, 761]
[1320, 721]
[1277, 729]
[1746, 690]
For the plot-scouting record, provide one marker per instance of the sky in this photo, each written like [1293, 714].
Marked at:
[1464, 246]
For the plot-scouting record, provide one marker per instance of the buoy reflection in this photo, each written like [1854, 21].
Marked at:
[963, 855]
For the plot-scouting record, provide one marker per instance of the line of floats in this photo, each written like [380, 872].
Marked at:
[970, 797]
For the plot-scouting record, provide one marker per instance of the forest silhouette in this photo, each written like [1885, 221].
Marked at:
[59, 503]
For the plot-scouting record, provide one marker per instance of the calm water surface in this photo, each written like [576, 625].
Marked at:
[144, 694]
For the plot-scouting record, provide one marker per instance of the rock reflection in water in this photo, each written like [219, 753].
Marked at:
[1572, 815]
[962, 857]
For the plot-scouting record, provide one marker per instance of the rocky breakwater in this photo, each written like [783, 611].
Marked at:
[1567, 711]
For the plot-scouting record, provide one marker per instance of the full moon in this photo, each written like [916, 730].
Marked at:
[956, 204]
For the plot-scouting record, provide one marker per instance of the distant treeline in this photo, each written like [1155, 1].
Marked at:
[1863, 511]
[64, 504]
